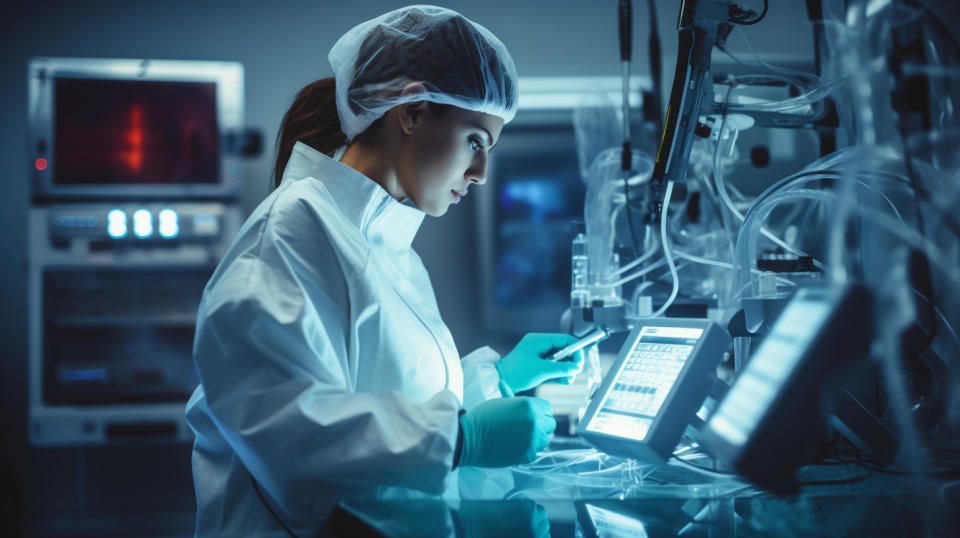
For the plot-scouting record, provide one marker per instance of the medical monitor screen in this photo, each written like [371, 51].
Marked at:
[640, 388]
[123, 132]
[776, 358]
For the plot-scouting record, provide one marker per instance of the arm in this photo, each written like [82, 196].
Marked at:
[275, 375]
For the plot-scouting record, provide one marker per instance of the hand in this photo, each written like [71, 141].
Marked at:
[525, 367]
[505, 431]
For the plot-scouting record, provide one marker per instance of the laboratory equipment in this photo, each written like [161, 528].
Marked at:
[654, 389]
[773, 418]
[135, 168]
[533, 192]
[134, 129]
[702, 24]
[834, 175]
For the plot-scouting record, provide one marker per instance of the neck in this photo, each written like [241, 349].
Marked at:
[376, 165]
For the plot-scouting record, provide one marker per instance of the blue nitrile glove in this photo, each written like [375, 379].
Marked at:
[505, 431]
[525, 366]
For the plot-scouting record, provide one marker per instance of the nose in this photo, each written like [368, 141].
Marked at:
[477, 173]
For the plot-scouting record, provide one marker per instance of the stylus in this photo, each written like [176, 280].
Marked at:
[591, 338]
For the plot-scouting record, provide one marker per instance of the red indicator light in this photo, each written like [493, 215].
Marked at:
[41, 164]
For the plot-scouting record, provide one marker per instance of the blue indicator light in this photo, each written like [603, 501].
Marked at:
[167, 224]
[116, 224]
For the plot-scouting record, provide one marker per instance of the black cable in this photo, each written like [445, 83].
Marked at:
[758, 18]
[267, 505]
[656, 58]
[625, 34]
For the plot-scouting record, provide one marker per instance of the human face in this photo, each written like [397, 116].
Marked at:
[446, 152]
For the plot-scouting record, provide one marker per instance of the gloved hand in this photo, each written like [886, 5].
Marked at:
[524, 367]
[505, 431]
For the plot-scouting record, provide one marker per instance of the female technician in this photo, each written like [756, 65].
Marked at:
[326, 369]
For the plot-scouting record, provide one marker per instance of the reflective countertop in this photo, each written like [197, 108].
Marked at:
[576, 491]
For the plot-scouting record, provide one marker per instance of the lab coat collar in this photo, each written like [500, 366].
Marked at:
[380, 218]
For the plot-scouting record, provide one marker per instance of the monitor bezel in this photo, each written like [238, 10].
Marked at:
[227, 76]
[694, 381]
[791, 402]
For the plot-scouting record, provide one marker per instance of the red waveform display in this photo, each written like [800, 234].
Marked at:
[134, 137]
[118, 132]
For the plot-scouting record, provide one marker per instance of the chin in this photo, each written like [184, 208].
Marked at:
[437, 212]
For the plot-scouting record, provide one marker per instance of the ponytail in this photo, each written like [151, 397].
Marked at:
[311, 119]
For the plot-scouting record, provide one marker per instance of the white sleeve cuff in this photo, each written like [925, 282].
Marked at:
[480, 377]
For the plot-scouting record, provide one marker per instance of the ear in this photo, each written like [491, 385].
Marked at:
[411, 114]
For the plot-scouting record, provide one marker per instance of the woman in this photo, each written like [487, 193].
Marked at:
[326, 369]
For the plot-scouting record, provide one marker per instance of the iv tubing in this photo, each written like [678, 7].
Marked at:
[665, 243]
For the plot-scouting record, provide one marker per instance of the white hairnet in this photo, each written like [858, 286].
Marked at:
[459, 63]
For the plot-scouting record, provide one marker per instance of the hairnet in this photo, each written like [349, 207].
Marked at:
[459, 63]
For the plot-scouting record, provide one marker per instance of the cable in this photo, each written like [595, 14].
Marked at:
[704, 261]
[909, 236]
[646, 256]
[813, 79]
[755, 20]
[632, 276]
[940, 315]
[720, 185]
[827, 173]
[625, 31]
[665, 244]
[656, 72]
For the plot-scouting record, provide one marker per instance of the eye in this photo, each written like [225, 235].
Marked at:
[475, 143]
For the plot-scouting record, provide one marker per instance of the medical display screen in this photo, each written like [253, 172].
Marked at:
[125, 132]
[646, 376]
[755, 389]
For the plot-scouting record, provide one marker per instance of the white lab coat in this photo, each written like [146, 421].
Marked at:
[325, 368]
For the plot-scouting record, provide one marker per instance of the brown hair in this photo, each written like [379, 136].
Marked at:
[311, 119]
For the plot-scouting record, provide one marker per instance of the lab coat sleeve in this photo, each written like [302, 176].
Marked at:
[480, 377]
[275, 380]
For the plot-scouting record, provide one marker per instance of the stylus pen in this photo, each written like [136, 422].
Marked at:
[592, 338]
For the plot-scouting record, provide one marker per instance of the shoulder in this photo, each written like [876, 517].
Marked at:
[292, 253]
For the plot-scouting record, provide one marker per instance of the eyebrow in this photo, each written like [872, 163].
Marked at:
[486, 132]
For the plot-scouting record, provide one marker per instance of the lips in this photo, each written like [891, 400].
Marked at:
[457, 196]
